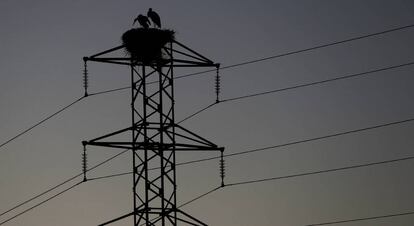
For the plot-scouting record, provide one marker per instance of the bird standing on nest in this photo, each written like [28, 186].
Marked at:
[142, 20]
[156, 20]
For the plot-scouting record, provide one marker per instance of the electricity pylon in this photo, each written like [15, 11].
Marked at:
[155, 136]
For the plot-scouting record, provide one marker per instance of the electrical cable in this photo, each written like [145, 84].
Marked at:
[41, 203]
[241, 153]
[304, 50]
[199, 197]
[183, 76]
[322, 171]
[235, 65]
[301, 86]
[307, 174]
[197, 112]
[280, 55]
[110, 91]
[55, 187]
[224, 100]
[41, 122]
[320, 82]
[363, 219]
[80, 174]
[359, 74]
[39, 195]
[231, 66]
[280, 145]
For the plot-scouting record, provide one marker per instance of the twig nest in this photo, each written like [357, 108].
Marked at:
[145, 44]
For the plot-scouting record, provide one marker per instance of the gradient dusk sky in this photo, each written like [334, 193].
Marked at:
[42, 43]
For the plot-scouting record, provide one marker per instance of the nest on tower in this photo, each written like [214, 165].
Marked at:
[145, 44]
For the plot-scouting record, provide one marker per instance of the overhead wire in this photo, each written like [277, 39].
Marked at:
[41, 203]
[223, 100]
[307, 174]
[80, 174]
[235, 154]
[321, 171]
[222, 68]
[308, 84]
[231, 66]
[302, 141]
[240, 64]
[320, 81]
[364, 219]
[54, 188]
[329, 44]
[399, 28]
[197, 112]
[183, 76]
[41, 122]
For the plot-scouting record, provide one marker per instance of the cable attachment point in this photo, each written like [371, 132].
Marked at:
[222, 167]
[84, 162]
[217, 85]
[85, 76]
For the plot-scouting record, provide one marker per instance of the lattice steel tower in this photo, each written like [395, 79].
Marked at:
[155, 136]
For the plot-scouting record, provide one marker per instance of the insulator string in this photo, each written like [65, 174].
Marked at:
[84, 162]
[222, 167]
[217, 85]
[85, 77]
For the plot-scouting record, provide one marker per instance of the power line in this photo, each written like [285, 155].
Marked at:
[41, 203]
[241, 153]
[200, 196]
[364, 219]
[110, 91]
[224, 100]
[320, 46]
[109, 176]
[197, 112]
[228, 155]
[320, 82]
[324, 137]
[282, 54]
[90, 169]
[53, 188]
[301, 174]
[300, 86]
[308, 174]
[237, 65]
[322, 171]
[378, 126]
[359, 74]
[41, 122]
[226, 67]
[41, 194]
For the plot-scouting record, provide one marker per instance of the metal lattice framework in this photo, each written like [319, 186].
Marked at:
[155, 136]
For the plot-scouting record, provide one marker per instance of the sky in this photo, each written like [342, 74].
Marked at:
[42, 44]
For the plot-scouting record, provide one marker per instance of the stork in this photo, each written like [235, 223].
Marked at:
[156, 20]
[142, 20]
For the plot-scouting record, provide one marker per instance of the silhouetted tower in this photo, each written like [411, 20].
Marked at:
[155, 136]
